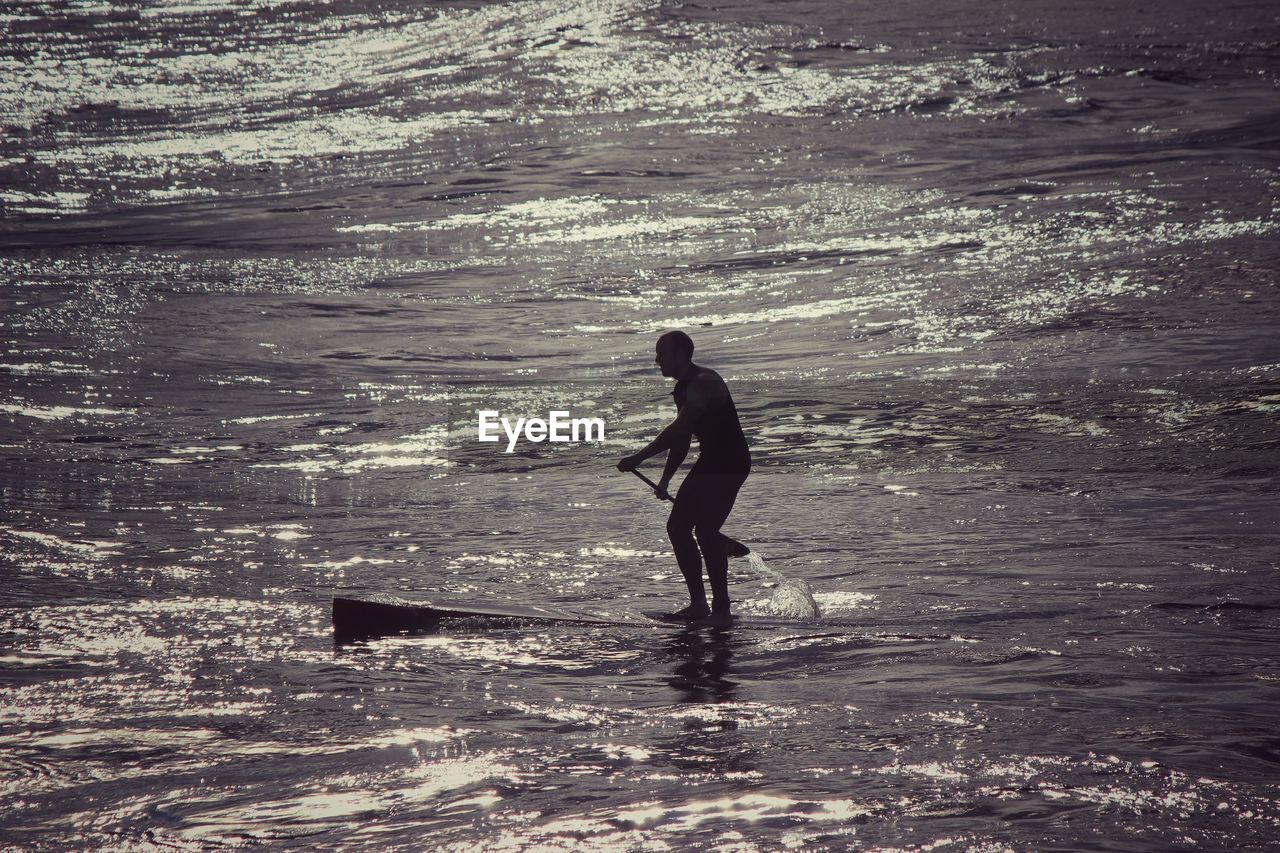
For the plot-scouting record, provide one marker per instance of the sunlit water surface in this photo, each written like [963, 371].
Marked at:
[994, 287]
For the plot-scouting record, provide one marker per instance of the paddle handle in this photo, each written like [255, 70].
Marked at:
[655, 486]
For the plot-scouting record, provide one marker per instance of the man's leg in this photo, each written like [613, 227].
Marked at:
[680, 531]
[717, 499]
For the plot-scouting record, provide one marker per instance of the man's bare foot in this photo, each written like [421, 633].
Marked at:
[692, 613]
[716, 619]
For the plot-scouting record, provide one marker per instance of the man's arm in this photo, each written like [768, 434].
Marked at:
[703, 394]
[677, 434]
[675, 455]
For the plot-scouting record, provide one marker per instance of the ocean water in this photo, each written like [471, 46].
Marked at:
[994, 286]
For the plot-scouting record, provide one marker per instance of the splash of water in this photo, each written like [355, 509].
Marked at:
[792, 598]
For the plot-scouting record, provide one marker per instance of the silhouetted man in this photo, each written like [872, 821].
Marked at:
[704, 409]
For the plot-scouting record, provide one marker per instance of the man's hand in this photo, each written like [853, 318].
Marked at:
[661, 492]
[630, 463]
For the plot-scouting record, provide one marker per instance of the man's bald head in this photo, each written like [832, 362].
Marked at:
[678, 342]
[675, 354]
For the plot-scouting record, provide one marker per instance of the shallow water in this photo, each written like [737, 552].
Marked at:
[995, 291]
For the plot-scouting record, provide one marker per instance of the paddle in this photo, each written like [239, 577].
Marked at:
[732, 547]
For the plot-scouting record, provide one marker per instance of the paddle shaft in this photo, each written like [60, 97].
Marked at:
[655, 486]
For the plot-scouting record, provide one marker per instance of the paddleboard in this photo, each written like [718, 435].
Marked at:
[384, 615]
[355, 618]
[377, 616]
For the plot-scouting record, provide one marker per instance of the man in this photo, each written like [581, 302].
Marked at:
[704, 409]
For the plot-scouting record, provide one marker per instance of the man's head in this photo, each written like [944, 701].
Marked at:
[674, 354]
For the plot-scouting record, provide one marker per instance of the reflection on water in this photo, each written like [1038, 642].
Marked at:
[703, 665]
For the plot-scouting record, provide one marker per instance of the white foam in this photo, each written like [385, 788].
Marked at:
[792, 599]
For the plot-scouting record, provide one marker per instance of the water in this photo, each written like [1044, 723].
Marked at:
[995, 293]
